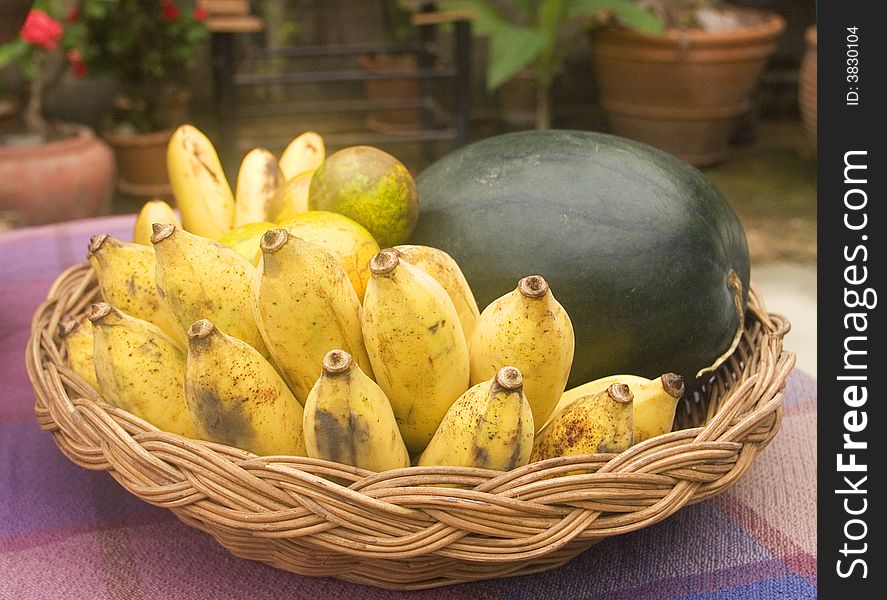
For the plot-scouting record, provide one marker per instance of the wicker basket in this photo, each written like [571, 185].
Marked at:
[416, 527]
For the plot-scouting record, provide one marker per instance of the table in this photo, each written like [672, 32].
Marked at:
[66, 532]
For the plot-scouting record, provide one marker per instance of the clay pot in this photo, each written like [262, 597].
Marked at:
[141, 162]
[684, 91]
[807, 85]
[71, 178]
[391, 120]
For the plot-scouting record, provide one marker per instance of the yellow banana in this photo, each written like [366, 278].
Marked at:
[292, 197]
[198, 278]
[305, 153]
[202, 193]
[153, 211]
[490, 426]
[349, 420]
[140, 369]
[76, 335]
[596, 423]
[415, 344]
[237, 398]
[305, 306]
[446, 272]
[655, 400]
[258, 180]
[125, 274]
[529, 329]
[244, 240]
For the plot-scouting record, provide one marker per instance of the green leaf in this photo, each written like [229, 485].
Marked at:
[526, 7]
[13, 51]
[510, 51]
[629, 14]
[487, 20]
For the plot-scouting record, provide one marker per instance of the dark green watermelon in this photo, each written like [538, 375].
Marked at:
[636, 244]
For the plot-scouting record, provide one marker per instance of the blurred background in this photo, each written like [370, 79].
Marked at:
[91, 90]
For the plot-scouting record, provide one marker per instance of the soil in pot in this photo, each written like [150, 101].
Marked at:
[68, 176]
[685, 91]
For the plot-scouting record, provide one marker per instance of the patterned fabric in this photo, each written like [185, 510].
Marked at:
[66, 532]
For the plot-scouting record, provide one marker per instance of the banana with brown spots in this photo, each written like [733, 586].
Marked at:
[305, 306]
[490, 426]
[415, 344]
[153, 211]
[349, 420]
[77, 340]
[140, 369]
[236, 397]
[258, 180]
[529, 329]
[596, 423]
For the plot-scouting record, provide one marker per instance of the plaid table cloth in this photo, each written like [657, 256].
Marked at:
[66, 532]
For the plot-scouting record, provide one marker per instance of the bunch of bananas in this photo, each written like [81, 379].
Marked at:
[304, 338]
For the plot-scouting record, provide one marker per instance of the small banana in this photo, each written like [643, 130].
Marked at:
[236, 397]
[153, 211]
[140, 369]
[305, 306]
[490, 426]
[202, 193]
[198, 278]
[244, 240]
[125, 273]
[292, 197]
[415, 344]
[305, 153]
[596, 423]
[655, 400]
[446, 272]
[349, 420]
[76, 335]
[258, 180]
[529, 329]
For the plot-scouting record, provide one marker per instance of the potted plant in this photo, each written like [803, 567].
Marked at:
[531, 39]
[148, 48]
[686, 90]
[49, 171]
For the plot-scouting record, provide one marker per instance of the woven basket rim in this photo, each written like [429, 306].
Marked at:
[448, 524]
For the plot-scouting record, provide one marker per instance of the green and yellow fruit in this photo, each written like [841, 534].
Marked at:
[490, 426]
[198, 278]
[591, 424]
[140, 369]
[201, 190]
[236, 397]
[446, 272]
[304, 306]
[350, 244]
[349, 420]
[527, 328]
[415, 344]
[371, 187]
[153, 211]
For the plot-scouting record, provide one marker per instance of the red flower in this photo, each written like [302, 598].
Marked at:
[73, 14]
[199, 14]
[170, 11]
[77, 64]
[42, 30]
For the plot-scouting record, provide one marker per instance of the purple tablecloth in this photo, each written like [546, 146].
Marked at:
[66, 532]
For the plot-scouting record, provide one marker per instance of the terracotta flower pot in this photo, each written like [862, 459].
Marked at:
[71, 178]
[141, 162]
[391, 120]
[684, 91]
[807, 85]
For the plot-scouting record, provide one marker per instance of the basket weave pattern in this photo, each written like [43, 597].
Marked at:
[416, 527]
